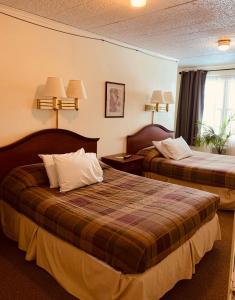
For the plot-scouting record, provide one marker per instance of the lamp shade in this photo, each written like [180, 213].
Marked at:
[168, 97]
[76, 89]
[54, 87]
[157, 97]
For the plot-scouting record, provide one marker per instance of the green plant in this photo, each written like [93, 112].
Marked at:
[209, 137]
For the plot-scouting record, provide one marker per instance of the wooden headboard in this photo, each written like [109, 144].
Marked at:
[25, 151]
[144, 137]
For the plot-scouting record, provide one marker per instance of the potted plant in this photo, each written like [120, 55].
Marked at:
[208, 136]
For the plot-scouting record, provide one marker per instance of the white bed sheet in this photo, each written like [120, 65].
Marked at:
[89, 278]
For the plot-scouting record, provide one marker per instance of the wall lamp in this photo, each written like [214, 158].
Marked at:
[55, 98]
[159, 102]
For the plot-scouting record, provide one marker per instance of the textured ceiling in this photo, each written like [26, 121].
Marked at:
[183, 29]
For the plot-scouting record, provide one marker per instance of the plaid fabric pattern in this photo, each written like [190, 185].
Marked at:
[127, 221]
[148, 150]
[21, 178]
[201, 167]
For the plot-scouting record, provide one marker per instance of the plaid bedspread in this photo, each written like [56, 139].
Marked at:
[201, 167]
[129, 222]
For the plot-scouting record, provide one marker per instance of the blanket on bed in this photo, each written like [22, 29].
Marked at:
[127, 221]
[201, 167]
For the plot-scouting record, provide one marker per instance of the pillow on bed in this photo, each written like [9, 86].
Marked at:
[146, 151]
[161, 148]
[77, 171]
[177, 148]
[50, 165]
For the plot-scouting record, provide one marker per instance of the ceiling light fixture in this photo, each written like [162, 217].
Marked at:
[224, 44]
[138, 3]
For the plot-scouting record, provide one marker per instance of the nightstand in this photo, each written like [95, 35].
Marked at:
[131, 165]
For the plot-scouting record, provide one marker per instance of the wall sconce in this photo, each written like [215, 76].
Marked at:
[54, 89]
[157, 99]
[159, 102]
[168, 99]
[77, 91]
[152, 108]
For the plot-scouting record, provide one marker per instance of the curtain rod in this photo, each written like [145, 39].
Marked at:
[230, 69]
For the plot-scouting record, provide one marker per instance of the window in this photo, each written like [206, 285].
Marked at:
[219, 100]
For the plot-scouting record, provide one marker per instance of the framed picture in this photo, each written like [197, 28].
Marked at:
[114, 99]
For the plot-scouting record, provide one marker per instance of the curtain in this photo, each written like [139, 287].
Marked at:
[191, 104]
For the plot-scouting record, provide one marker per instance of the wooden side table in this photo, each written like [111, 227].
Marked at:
[131, 165]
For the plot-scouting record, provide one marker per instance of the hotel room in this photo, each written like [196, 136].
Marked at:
[117, 149]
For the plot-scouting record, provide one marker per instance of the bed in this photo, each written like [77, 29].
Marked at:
[204, 171]
[128, 237]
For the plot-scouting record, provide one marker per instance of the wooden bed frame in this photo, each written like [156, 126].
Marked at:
[25, 151]
[144, 137]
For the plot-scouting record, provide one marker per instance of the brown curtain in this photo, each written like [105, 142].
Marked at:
[191, 104]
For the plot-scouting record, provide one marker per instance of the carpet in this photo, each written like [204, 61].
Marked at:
[21, 280]
[210, 282]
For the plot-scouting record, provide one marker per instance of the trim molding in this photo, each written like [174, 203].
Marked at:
[70, 30]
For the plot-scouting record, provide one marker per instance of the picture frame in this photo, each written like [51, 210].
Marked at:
[114, 99]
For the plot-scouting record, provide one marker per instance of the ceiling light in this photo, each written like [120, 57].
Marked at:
[224, 44]
[138, 3]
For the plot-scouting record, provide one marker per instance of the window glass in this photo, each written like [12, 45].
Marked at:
[213, 103]
[231, 94]
[231, 101]
[219, 102]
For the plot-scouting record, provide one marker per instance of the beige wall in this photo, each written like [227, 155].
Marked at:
[29, 54]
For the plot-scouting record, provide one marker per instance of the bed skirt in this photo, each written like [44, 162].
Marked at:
[88, 278]
[227, 196]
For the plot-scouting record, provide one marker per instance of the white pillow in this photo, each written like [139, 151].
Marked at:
[77, 171]
[177, 148]
[161, 148]
[50, 166]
